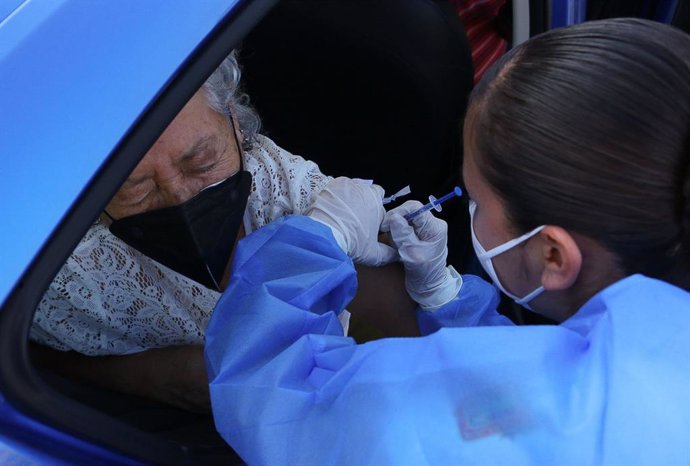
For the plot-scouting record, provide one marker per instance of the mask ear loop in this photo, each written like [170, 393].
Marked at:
[239, 147]
[246, 145]
[491, 253]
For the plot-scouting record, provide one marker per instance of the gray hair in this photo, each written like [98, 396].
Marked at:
[224, 94]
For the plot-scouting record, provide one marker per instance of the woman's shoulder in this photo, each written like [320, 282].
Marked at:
[267, 157]
[282, 183]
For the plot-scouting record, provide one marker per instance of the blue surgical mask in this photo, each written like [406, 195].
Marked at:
[485, 257]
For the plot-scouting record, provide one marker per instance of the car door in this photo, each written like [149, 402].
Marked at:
[86, 88]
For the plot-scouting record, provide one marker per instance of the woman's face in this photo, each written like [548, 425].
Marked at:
[197, 149]
[517, 268]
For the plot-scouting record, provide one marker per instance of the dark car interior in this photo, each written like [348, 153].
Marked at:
[366, 88]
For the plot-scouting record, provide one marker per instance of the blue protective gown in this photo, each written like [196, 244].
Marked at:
[611, 385]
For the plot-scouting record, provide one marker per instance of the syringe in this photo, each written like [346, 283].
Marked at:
[434, 203]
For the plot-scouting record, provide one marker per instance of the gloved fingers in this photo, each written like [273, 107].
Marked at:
[401, 232]
[355, 209]
[425, 228]
[357, 200]
[429, 228]
[373, 194]
[381, 255]
[345, 188]
[406, 208]
[400, 211]
[415, 250]
[380, 192]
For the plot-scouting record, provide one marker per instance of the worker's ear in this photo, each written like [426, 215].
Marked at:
[561, 257]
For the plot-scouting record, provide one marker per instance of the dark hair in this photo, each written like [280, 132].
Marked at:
[588, 127]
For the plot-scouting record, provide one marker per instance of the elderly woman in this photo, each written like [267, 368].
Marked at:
[140, 287]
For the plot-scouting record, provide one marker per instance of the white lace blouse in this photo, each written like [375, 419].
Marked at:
[110, 299]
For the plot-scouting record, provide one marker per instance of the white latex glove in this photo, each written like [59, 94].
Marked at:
[422, 246]
[354, 210]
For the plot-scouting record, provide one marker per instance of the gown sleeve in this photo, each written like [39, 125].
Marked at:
[274, 344]
[474, 306]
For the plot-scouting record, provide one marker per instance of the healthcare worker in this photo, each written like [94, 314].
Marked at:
[577, 146]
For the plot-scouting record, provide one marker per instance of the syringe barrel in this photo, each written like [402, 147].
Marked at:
[434, 203]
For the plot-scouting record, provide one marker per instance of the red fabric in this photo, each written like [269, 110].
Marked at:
[478, 18]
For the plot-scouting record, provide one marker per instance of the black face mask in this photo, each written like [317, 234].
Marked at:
[194, 238]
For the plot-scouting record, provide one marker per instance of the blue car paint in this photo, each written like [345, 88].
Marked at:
[74, 77]
[6, 9]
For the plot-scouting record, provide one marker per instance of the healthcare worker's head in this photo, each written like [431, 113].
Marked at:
[577, 146]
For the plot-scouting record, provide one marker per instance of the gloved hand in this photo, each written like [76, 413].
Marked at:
[423, 252]
[354, 210]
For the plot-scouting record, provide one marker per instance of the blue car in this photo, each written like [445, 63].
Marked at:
[86, 87]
